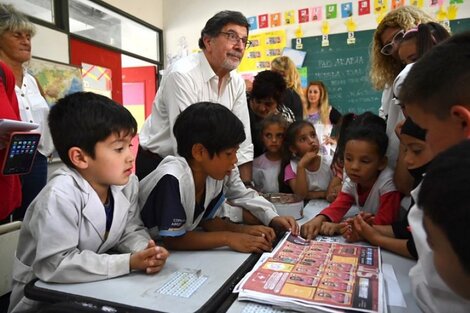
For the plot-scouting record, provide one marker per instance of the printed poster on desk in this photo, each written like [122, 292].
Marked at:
[302, 275]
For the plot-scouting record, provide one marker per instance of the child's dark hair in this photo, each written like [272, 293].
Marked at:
[440, 79]
[444, 197]
[273, 118]
[427, 36]
[369, 127]
[83, 119]
[210, 124]
[344, 124]
[268, 84]
[289, 141]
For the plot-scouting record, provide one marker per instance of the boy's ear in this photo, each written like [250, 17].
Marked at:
[78, 157]
[198, 151]
[462, 113]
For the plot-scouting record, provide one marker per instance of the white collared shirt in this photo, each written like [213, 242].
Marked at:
[188, 81]
[34, 109]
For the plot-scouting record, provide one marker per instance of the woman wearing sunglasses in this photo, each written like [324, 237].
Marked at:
[385, 66]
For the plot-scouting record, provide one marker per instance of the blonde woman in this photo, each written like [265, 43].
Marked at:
[386, 65]
[294, 97]
[320, 113]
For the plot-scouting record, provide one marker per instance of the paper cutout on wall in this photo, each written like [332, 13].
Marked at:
[331, 11]
[364, 7]
[265, 47]
[303, 16]
[263, 20]
[380, 7]
[253, 21]
[289, 17]
[418, 3]
[397, 3]
[456, 2]
[316, 14]
[346, 9]
[452, 12]
[275, 19]
[435, 3]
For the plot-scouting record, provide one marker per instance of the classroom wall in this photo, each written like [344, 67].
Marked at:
[184, 18]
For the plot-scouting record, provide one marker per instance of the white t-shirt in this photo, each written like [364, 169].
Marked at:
[265, 174]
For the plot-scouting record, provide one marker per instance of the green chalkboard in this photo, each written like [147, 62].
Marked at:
[345, 68]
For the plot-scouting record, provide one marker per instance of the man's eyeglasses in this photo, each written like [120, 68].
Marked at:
[234, 38]
[389, 48]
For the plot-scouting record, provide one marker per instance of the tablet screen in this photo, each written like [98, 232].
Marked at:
[20, 155]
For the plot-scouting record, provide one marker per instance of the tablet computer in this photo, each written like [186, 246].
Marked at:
[8, 126]
[20, 153]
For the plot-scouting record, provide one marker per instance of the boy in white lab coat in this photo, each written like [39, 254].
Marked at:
[186, 192]
[88, 207]
[437, 98]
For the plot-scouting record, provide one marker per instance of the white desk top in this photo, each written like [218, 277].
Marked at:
[138, 289]
[400, 265]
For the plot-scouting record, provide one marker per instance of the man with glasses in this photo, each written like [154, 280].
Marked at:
[205, 76]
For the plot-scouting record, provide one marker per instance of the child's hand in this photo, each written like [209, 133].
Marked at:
[329, 228]
[311, 229]
[349, 232]
[307, 158]
[334, 192]
[259, 230]
[285, 223]
[150, 260]
[248, 243]
[365, 230]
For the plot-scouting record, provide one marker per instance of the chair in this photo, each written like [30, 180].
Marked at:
[9, 234]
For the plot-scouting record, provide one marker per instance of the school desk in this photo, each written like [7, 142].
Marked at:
[400, 265]
[218, 269]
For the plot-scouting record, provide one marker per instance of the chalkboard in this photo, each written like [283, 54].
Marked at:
[345, 68]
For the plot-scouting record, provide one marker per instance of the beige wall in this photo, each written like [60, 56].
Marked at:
[150, 11]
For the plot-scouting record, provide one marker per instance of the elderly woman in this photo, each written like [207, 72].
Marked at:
[15, 49]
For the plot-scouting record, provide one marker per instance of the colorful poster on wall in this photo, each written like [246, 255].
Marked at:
[397, 4]
[263, 20]
[331, 11]
[275, 19]
[456, 1]
[419, 3]
[316, 13]
[97, 79]
[364, 7]
[265, 47]
[303, 73]
[380, 6]
[303, 16]
[346, 9]
[436, 3]
[253, 21]
[56, 79]
[289, 17]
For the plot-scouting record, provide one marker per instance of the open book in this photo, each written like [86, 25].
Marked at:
[312, 275]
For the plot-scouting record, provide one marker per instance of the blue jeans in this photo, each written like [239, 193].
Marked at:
[32, 184]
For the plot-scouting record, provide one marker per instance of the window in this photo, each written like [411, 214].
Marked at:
[95, 22]
[40, 9]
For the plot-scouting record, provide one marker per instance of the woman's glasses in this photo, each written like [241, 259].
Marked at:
[390, 47]
[397, 38]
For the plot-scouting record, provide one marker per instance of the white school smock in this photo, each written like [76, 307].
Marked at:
[319, 179]
[430, 291]
[383, 184]
[266, 174]
[232, 186]
[34, 109]
[62, 235]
